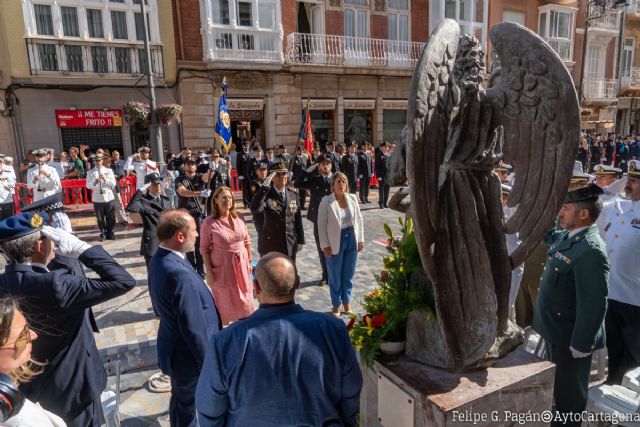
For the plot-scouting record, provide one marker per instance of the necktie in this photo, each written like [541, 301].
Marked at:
[283, 198]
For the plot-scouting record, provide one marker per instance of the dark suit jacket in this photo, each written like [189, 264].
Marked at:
[188, 315]
[349, 167]
[317, 185]
[150, 210]
[57, 306]
[364, 164]
[297, 166]
[381, 164]
[282, 230]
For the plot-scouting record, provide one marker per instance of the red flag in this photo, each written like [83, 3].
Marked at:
[308, 134]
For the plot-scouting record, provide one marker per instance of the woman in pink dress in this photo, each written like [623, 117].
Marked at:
[226, 251]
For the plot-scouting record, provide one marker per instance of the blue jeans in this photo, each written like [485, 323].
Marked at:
[341, 268]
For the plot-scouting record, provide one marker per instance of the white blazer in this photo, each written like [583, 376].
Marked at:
[329, 221]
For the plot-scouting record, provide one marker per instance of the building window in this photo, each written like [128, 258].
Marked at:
[48, 57]
[220, 11]
[119, 25]
[593, 61]
[358, 125]
[398, 20]
[94, 23]
[267, 15]
[556, 27]
[471, 15]
[393, 122]
[355, 23]
[245, 15]
[99, 59]
[70, 21]
[511, 16]
[44, 21]
[74, 58]
[123, 60]
[627, 56]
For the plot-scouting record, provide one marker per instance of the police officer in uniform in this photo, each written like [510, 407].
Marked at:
[572, 300]
[298, 164]
[220, 175]
[282, 231]
[335, 157]
[257, 158]
[364, 172]
[382, 163]
[317, 179]
[256, 184]
[149, 202]
[349, 166]
[243, 165]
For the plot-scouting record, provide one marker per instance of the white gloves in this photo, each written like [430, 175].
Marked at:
[404, 191]
[577, 354]
[267, 181]
[66, 243]
[205, 193]
[617, 187]
[312, 168]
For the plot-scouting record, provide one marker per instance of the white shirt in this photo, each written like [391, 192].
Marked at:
[33, 415]
[180, 254]
[46, 185]
[345, 217]
[7, 185]
[142, 169]
[102, 191]
[622, 236]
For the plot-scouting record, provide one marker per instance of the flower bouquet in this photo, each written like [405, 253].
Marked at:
[136, 113]
[169, 112]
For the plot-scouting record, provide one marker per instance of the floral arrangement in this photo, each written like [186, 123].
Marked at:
[168, 112]
[136, 113]
[388, 306]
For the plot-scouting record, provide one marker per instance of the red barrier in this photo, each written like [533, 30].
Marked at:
[235, 182]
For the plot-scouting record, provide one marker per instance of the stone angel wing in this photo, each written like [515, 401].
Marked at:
[536, 104]
[428, 117]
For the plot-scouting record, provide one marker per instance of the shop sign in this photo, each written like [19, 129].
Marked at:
[359, 104]
[395, 104]
[320, 104]
[245, 104]
[88, 118]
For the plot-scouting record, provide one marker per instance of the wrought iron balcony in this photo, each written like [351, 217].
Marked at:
[322, 49]
[77, 58]
[244, 45]
[601, 89]
[631, 78]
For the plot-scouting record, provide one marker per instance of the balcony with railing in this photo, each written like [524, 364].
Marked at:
[322, 49]
[631, 78]
[601, 89]
[49, 57]
[633, 10]
[608, 22]
[226, 44]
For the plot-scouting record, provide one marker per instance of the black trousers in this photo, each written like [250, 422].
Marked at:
[195, 258]
[622, 325]
[383, 193]
[106, 216]
[246, 191]
[353, 186]
[571, 383]
[323, 262]
[89, 417]
[7, 210]
[302, 197]
[364, 189]
[182, 405]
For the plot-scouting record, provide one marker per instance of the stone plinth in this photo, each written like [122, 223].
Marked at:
[514, 386]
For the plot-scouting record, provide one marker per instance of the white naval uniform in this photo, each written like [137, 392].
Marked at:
[104, 194]
[7, 185]
[47, 185]
[621, 227]
[142, 169]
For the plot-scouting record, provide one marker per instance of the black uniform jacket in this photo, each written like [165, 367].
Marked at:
[149, 209]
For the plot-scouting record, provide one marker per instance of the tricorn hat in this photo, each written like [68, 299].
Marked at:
[591, 191]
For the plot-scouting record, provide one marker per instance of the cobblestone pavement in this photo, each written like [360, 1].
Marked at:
[128, 325]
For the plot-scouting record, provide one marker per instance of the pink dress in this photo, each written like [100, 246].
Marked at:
[232, 287]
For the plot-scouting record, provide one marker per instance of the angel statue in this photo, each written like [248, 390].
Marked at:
[457, 132]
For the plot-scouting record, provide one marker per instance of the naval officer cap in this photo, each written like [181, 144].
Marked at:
[578, 174]
[21, 225]
[144, 149]
[41, 152]
[278, 167]
[606, 170]
[325, 158]
[152, 178]
[51, 203]
[591, 191]
[261, 165]
[633, 170]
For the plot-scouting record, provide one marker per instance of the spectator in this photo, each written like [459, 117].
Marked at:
[64, 162]
[282, 365]
[117, 164]
[76, 165]
[341, 234]
[187, 310]
[16, 367]
[226, 251]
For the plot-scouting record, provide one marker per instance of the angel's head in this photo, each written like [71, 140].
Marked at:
[469, 66]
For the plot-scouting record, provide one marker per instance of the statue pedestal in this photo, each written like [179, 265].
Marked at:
[402, 393]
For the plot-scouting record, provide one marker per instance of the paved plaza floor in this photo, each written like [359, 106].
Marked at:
[128, 325]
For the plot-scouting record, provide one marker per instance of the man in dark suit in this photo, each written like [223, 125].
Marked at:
[317, 179]
[58, 306]
[299, 162]
[382, 163]
[349, 166]
[149, 202]
[364, 172]
[251, 374]
[282, 230]
[572, 299]
[243, 164]
[333, 155]
[188, 315]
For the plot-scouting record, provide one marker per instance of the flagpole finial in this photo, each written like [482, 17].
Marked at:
[223, 87]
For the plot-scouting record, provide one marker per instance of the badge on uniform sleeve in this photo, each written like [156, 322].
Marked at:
[562, 258]
[293, 206]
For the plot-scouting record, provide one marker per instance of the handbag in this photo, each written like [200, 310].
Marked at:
[122, 217]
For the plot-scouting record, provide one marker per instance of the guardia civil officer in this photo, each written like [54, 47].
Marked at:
[299, 162]
[58, 306]
[317, 179]
[243, 165]
[149, 202]
[349, 166]
[282, 230]
[572, 299]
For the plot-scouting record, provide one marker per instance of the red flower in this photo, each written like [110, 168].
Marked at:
[351, 323]
[365, 317]
[378, 320]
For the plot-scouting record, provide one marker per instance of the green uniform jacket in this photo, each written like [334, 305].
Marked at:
[573, 293]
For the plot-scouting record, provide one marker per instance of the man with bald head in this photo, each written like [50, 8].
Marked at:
[187, 310]
[282, 365]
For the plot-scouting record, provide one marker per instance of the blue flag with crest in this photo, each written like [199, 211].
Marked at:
[223, 122]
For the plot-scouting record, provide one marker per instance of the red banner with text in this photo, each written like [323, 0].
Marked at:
[88, 118]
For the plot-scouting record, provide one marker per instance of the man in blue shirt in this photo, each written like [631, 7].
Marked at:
[282, 365]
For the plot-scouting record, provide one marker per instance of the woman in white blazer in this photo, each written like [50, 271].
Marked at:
[341, 236]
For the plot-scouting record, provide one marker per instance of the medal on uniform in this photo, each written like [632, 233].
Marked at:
[562, 258]
[293, 206]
